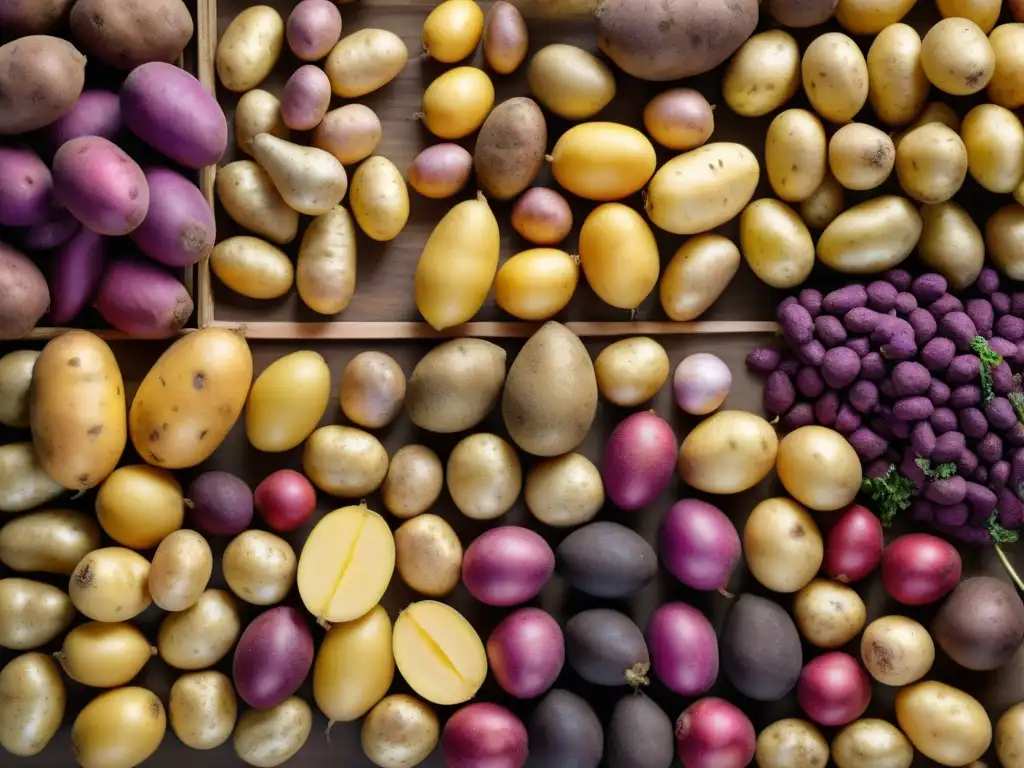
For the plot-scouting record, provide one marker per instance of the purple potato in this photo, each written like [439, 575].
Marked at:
[75, 273]
[507, 565]
[526, 652]
[220, 504]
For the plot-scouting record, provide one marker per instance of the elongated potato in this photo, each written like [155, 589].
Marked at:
[139, 505]
[702, 189]
[257, 112]
[1006, 88]
[325, 272]
[536, 284]
[763, 74]
[365, 61]
[202, 709]
[252, 267]
[249, 48]
[619, 255]
[15, 384]
[344, 461]
[104, 655]
[697, 274]
[603, 161]
[835, 76]
[250, 198]
[825, 203]
[569, 81]
[287, 401]
[354, 666]
[931, 163]
[457, 102]
[111, 584]
[269, 737]
[897, 85]
[994, 139]
[510, 147]
[957, 57]
[795, 154]
[49, 541]
[32, 702]
[311, 180]
[1004, 239]
[180, 570]
[505, 38]
[871, 237]
[776, 244]
[24, 483]
[379, 199]
[201, 635]
[118, 729]
[861, 156]
[32, 613]
[951, 243]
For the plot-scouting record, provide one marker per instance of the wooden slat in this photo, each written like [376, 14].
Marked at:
[206, 23]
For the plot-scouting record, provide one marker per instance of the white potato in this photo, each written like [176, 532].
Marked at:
[250, 198]
[697, 274]
[795, 154]
[871, 237]
[860, 156]
[897, 85]
[835, 76]
[957, 57]
[763, 74]
[258, 111]
[994, 138]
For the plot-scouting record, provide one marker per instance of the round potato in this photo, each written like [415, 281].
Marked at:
[795, 154]
[287, 401]
[23, 482]
[259, 567]
[994, 138]
[697, 274]
[400, 731]
[49, 541]
[819, 468]
[871, 743]
[32, 702]
[32, 613]
[783, 563]
[537, 283]
[871, 237]
[957, 57]
[372, 389]
[249, 48]
[631, 371]
[428, 555]
[104, 655]
[41, 78]
[1004, 239]
[951, 243]
[1010, 735]
[1006, 88]
[869, 17]
[258, 111]
[679, 118]
[457, 102]
[728, 452]
[118, 729]
[413, 482]
[379, 200]
[931, 163]
[828, 614]
[791, 743]
[763, 75]
[251, 199]
[860, 156]
[565, 491]
[484, 476]
[111, 584]
[825, 203]
[897, 85]
[180, 570]
[896, 650]
[139, 505]
[15, 381]
[776, 244]
[984, 13]
[835, 77]
[943, 723]
[351, 133]
[269, 737]
[202, 709]
[344, 461]
[252, 267]
[569, 81]
[202, 635]
[365, 61]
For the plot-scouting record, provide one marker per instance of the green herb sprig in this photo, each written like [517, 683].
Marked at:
[1017, 401]
[892, 494]
[941, 472]
[989, 359]
[1000, 536]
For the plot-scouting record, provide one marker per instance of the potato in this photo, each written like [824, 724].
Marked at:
[943, 723]
[252, 267]
[452, 30]
[23, 483]
[619, 255]
[258, 111]
[413, 482]
[860, 156]
[510, 148]
[457, 102]
[15, 382]
[931, 163]
[305, 98]
[828, 614]
[41, 78]
[897, 85]
[825, 203]
[951, 243]
[351, 133]
[679, 118]
[728, 452]
[428, 555]
[125, 35]
[994, 139]
[269, 737]
[49, 541]
[484, 476]
[791, 743]
[138, 506]
[896, 650]
[180, 570]
[201, 635]
[782, 563]
[312, 29]
[602, 161]
[344, 461]
[1006, 88]
[505, 38]
[197, 388]
[871, 743]
[32, 613]
[440, 170]
[287, 401]
[163, 312]
[400, 730]
[569, 81]
[871, 237]
[763, 75]
[457, 266]
[702, 189]
[104, 655]
[354, 666]
[819, 468]
[631, 371]
[379, 199]
[111, 584]
[984, 13]
[934, 112]
[801, 13]
[27, 17]
[869, 17]
[795, 156]
[1009, 735]
[542, 216]
[250, 198]
[259, 567]
[249, 48]
[310, 180]
[776, 244]
[957, 57]
[1004, 239]
[455, 385]
[365, 61]
[371, 389]
[835, 76]
[697, 274]
[202, 709]
[565, 491]
[118, 729]
[325, 272]
[32, 702]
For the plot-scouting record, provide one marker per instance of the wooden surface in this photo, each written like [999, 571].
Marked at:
[996, 690]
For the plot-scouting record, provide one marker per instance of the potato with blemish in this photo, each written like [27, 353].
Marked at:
[828, 614]
[400, 731]
[203, 709]
[259, 567]
[763, 75]
[795, 154]
[201, 635]
[860, 156]
[896, 650]
[897, 85]
[111, 584]
[957, 57]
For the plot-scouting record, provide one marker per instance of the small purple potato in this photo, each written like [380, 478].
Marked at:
[886, 389]
[791, 366]
[542, 216]
[313, 29]
[882, 296]
[872, 367]
[964, 396]
[988, 281]
[847, 420]
[526, 652]
[981, 499]
[937, 354]
[273, 657]
[171, 111]
[699, 544]
[840, 367]
[967, 464]
[929, 288]
[220, 504]
[842, 300]
[441, 170]
[900, 278]
[867, 444]
[507, 565]
[811, 353]
[809, 382]
[946, 490]
[26, 188]
[1010, 328]
[863, 396]
[701, 383]
[679, 118]
[989, 447]
[763, 360]
[906, 303]
[179, 229]
[52, 233]
[981, 312]
[922, 439]
[143, 300]
[779, 394]
[827, 408]
[972, 422]
[306, 96]
[862, 320]
[100, 185]
[964, 368]
[942, 420]
[1002, 378]
[1017, 303]
[829, 330]
[96, 113]
[505, 38]
[75, 273]
[800, 415]
[1016, 435]
[948, 447]
[924, 325]
[1002, 347]
[1011, 510]
[1000, 302]
[938, 392]
[24, 296]
[351, 133]
[952, 514]
[910, 378]
[959, 327]
[811, 299]
[944, 305]
[1000, 413]
[999, 475]
[912, 408]
[980, 476]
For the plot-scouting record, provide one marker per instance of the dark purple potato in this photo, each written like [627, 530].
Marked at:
[565, 732]
[526, 652]
[684, 649]
[507, 565]
[639, 460]
[220, 504]
[981, 625]
[699, 544]
[606, 560]
[483, 735]
[639, 735]
[606, 647]
[273, 657]
[760, 649]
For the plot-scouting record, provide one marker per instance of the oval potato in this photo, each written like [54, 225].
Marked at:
[139, 505]
[783, 563]
[413, 482]
[202, 709]
[506, 38]
[957, 57]
[603, 161]
[400, 730]
[180, 570]
[564, 491]
[835, 76]
[569, 81]
[484, 476]
[287, 401]
[249, 48]
[509, 151]
[869, 17]
[259, 567]
[994, 139]
[897, 85]
[258, 111]
[791, 743]
[871, 237]
[111, 584]
[795, 154]
[619, 255]
[1010, 735]
[269, 737]
[252, 267]
[452, 30]
[351, 133]
[325, 272]
[776, 244]
[828, 614]
[631, 371]
[23, 482]
[118, 729]
[763, 74]
[202, 634]
[15, 384]
[250, 198]
[441, 170]
[455, 385]
[48, 541]
[364, 61]
[41, 78]
[379, 199]
[679, 118]
[943, 723]
[536, 284]
[1004, 239]
[457, 102]
[344, 461]
[428, 555]
[897, 651]
[32, 613]
[951, 243]
[1006, 88]
[871, 743]
[728, 452]
[371, 390]
[32, 702]
[697, 274]
[825, 203]
[931, 163]
[104, 655]
[861, 156]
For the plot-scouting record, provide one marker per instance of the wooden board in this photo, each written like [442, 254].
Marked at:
[996, 690]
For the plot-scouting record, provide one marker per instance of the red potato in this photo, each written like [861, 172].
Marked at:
[75, 273]
[542, 216]
[24, 295]
[441, 170]
[639, 460]
[699, 544]
[854, 545]
[313, 28]
[179, 229]
[285, 500]
[833, 689]
[712, 733]
[273, 657]
[52, 233]
[143, 300]
[484, 735]
[305, 98]
[918, 568]
[96, 113]
[26, 188]
[526, 652]
[100, 185]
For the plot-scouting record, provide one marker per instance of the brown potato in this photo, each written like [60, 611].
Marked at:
[41, 78]
[455, 385]
[896, 650]
[24, 295]
[505, 38]
[828, 614]
[413, 482]
[679, 118]
[510, 148]
[542, 216]
[126, 33]
[351, 133]
[428, 555]
[180, 570]
[32, 17]
[372, 389]
[202, 635]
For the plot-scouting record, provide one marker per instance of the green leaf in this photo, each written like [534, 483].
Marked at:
[989, 359]
[999, 534]
[1017, 401]
[937, 473]
[890, 494]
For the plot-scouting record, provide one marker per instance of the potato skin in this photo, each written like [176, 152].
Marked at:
[325, 272]
[269, 737]
[23, 483]
[118, 729]
[201, 635]
[958, 57]
[203, 709]
[24, 294]
[795, 140]
[679, 118]
[365, 61]
[180, 570]
[571, 82]
[871, 237]
[41, 78]
[252, 267]
[104, 655]
[835, 76]
[697, 274]
[931, 163]
[943, 723]
[1004, 234]
[776, 244]
[259, 111]
[49, 541]
[351, 133]
[763, 75]
[128, 33]
[619, 255]
[413, 482]
[15, 384]
[602, 161]
[510, 148]
[29, 17]
[379, 199]
[32, 613]
[455, 385]
[505, 38]
[111, 584]
[249, 48]
[897, 85]
[32, 702]
[861, 156]
[287, 401]
[801, 13]
[344, 461]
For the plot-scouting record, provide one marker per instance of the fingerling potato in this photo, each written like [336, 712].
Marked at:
[379, 199]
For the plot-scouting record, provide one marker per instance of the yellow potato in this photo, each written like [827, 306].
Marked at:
[871, 237]
[202, 709]
[48, 541]
[819, 468]
[455, 385]
[379, 200]
[994, 138]
[957, 57]
[452, 31]
[763, 74]
[371, 390]
[249, 48]
[484, 476]
[104, 655]
[897, 651]
[364, 61]
[251, 199]
[931, 163]
[325, 272]
[1018, 194]
[346, 564]
[413, 482]
[791, 743]
[32, 613]
[191, 398]
[943, 723]
[32, 702]
[782, 545]
[1006, 88]
[458, 263]
[138, 506]
[728, 452]
[269, 737]
[287, 401]
[354, 666]
[1004, 239]
[439, 653]
[457, 102]
[569, 81]
[951, 243]
[344, 461]
[180, 570]
[828, 614]
[825, 203]
[15, 383]
[619, 255]
[860, 156]
[897, 85]
[351, 133]
[202, 635]
[697, 274]
[602, 161]
[23, 482]
[536, 284]
[835, 75]
[564, 491]
[118, 729]
[776, 244]
[111, 584]
[795, 154]
[428, 555]
[984, 13]
[399, 732]
[1010, 735]
[258, 111]
[869, 17]
[631, 371]
[871, 743]
[252, 267]
[259, 567]
[934, 112]
[679, 118]
[702, 189]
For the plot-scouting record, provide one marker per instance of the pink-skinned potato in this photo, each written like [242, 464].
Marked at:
[179, 229]
[24, 295]
[26, 188]
[96, 113]
[100, 185]
[58, 228]
[75, 273]
[41, 77]
[143, 300]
